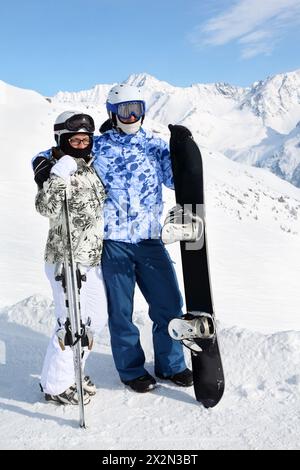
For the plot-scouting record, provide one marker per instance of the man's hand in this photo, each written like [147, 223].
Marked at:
[41, 167]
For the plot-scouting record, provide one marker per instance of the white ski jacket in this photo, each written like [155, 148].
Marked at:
[86, 199]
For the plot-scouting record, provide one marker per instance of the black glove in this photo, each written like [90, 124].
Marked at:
[57, 153]
[41, 168]
[106, 126]
[179, 133]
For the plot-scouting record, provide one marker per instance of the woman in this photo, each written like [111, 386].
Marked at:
[69, 166]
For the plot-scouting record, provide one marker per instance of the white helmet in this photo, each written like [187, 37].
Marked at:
[123, 92]
[73, 122]
[124, 101]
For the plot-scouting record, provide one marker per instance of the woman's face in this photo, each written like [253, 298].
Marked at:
[80, 140]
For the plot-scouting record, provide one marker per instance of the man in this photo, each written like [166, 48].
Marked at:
[133, 165]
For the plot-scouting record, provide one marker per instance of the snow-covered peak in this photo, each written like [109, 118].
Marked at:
[154, 88]
[276, 100]
[95, 96]
[148, 81]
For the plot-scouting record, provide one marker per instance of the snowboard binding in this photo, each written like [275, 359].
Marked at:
[182, 225]
[192, 327]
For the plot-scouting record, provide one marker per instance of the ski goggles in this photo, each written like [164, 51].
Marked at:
[76, 123]
[127, 109]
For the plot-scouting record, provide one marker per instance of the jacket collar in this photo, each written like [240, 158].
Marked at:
[126, 139]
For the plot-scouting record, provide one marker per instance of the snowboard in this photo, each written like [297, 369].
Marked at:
[207, 366]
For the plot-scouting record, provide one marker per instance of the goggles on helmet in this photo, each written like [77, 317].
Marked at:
[77, 122]
[127, 109]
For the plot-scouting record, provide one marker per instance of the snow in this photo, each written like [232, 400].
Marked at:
[259, 410]
[253, 227]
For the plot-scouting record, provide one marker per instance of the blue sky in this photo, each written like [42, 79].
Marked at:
[72, 45]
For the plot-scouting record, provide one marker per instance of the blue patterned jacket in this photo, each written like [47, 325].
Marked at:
[133, 169]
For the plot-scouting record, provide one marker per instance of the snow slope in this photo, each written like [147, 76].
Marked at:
[260, 409]
[254, 244]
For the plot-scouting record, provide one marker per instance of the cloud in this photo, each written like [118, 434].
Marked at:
[257, 42]
[256, 25]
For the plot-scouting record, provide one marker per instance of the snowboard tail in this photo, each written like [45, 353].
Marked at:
[208, 373]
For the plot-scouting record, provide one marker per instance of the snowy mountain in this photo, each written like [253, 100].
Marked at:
[263, 116]
[276, 100]
[253, 222]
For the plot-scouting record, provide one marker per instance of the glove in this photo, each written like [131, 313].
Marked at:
[64, 168]
[179, 133]
[41, 167]
[106, 126]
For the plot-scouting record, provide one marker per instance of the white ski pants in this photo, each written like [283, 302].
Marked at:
[58, 369]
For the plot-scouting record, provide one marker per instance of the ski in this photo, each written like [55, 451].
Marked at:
[72, 332]
[197, 329]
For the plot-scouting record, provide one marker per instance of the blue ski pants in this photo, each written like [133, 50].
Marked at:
[148, 264]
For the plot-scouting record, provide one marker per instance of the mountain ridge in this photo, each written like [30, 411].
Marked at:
[257, 125]
[264, 116]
